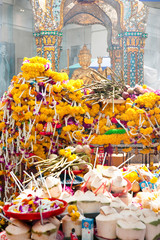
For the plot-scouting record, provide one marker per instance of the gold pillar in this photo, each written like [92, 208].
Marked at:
[48, 46]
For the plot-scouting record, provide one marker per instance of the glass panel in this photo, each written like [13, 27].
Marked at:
[16, 38]
[152, 50]
[89, 35]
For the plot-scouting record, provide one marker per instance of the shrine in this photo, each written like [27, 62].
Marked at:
[125, 21]
[79, 147]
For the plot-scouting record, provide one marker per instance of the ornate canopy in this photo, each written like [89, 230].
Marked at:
[125, 21]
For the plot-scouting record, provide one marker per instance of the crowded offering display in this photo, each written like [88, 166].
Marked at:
[51, 185]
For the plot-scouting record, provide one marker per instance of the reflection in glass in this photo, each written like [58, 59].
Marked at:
[4, 69]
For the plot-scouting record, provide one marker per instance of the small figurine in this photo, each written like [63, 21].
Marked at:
[73, 235]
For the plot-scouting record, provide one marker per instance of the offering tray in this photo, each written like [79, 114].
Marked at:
[77, 180]
[35, 215]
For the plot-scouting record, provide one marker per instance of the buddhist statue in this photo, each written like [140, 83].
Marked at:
[84, 73]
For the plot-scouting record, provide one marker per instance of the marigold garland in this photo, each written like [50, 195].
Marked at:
[43, 111]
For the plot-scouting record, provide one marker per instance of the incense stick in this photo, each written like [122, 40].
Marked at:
[126, 161]
[34, 180]
[95, 158]
[8, 220]
[27, 174]
[46, 186]
[40, 210]
[64, 185]
[19, 187]
[18, 180]
[104, 159]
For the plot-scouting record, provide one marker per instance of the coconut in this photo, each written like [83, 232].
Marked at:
[107, 210]
[55, 221]
[130, 228]
[134, 208]
[18, 230]
[126, 198]
[54, 186]
[87, 149]
[68, 225]
[88, 203]
[106, 222]
[128, 212]
[79, 149]
[111, 172]
[118, 184]
[130, 90]
[53, 156]
[99, 185]
[68, 198]
[152, 222]
[104, 199]
[45, 231]
[41, 194]
[89, 177]
[118, 204]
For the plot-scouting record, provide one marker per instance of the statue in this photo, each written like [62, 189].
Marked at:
[84, 73]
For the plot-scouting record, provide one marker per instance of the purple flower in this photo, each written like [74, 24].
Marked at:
[39, 97]
[52, 82]
[88, 105]
[55, 206]
[157, 92]
[30, 209]
[36, 198]
[20, 209]
[85, 92]
[86, 126]
[41, 84]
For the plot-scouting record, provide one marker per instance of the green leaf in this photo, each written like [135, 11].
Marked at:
[157, 237]
[155, 223]
[115, 131]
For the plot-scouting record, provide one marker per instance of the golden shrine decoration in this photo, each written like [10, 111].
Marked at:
[125, 21]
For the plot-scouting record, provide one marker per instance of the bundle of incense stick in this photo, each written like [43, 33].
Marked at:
[102, 88]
